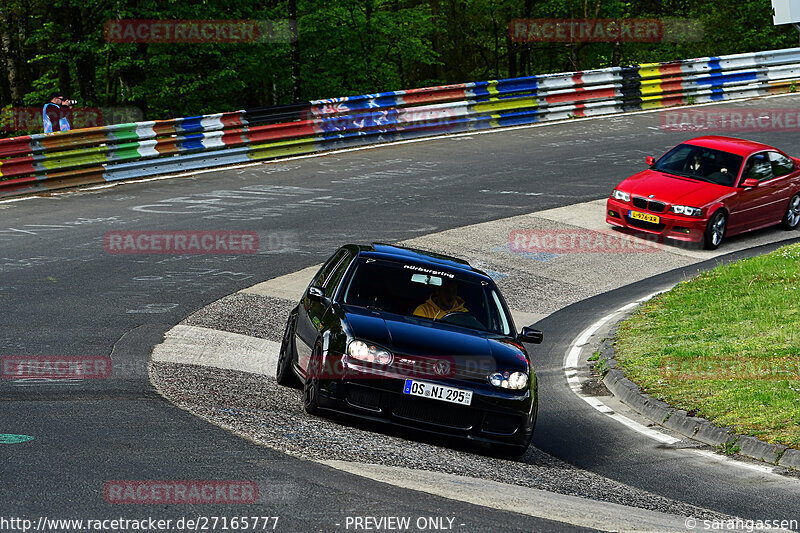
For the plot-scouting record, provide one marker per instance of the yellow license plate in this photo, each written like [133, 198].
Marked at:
[644, 216]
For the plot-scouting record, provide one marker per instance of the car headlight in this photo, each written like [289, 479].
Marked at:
[509, 380]
[369, 353]
[686, 210]
[619, 195]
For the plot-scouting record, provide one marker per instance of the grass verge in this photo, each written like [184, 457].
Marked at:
[725, 345]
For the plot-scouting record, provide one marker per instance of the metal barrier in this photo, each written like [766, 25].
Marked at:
[46, 162]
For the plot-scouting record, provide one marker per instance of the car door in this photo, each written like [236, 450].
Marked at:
[786, 173]
[750, 206]
[311, 313]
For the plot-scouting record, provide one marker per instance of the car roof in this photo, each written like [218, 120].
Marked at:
[418, 257]
[732, 145]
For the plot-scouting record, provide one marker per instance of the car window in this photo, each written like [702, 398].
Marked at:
[327, 269]
[700, 163]
[758, 167]
[413, 291]
[781, 165]
[336, 274]
[498, 313]
[676, 159]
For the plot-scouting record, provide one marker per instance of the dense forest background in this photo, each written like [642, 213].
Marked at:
[345, 47]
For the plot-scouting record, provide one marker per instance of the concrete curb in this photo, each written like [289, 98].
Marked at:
[193, 345]
[695, 428]
[790, 459]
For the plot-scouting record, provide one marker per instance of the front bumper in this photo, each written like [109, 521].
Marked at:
[670, 225]
[494, 416]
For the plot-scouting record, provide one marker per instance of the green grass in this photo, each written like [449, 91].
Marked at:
[725, 345]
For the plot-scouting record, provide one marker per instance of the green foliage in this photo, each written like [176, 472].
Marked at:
[725, 344]
[362, 46]
[730, 448]
[344, 47]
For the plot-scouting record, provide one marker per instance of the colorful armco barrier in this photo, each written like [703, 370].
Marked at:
[37, 163]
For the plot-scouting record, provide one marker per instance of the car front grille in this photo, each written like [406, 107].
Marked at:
[644, 225]
[650, 205]
[470, 368]
[364, 398]
[433, 412]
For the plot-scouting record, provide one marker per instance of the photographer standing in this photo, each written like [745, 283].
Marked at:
[57, 111]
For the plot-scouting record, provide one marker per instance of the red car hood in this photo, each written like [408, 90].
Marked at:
[672, 189]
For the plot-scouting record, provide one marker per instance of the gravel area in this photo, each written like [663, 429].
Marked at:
[246, 314]
[255, 407]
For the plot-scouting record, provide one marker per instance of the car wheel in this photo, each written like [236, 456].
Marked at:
[285, 374]
[311, 385]
[792, 217]
[715, 230]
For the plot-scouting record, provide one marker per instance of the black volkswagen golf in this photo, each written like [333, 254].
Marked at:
[415, 339]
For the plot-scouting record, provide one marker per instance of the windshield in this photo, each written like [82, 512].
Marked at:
[427, 294]
[704, 164]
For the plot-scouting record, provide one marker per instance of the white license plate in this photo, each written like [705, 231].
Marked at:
[437, 392]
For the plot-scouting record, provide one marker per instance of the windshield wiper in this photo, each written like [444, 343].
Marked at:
[671, 172]
[362, 306]
[683, 174]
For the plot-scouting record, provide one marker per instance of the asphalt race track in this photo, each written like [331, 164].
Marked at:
[636, 459]
[63, 294]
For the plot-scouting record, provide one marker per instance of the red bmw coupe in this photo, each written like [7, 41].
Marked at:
[708, 188]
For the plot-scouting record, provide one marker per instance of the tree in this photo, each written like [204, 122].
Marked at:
[344, 47]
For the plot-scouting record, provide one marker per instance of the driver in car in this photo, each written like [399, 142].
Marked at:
[697, 165]
[442, 301]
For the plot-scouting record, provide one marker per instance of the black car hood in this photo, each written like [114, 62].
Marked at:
[412, 336]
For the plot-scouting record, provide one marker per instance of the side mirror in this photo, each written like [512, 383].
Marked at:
[533, 336]
[316, 293]
[650, 160]
[750, 182]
